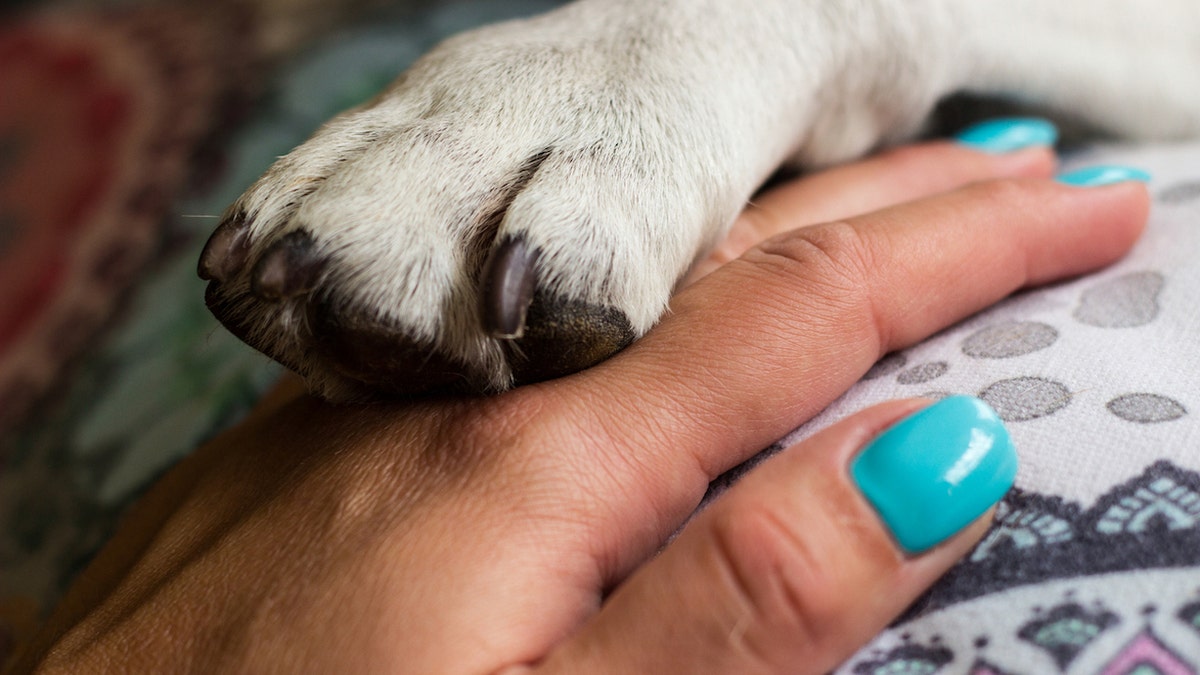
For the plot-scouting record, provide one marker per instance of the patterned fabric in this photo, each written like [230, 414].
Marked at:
[120, 149]
[1093, 564]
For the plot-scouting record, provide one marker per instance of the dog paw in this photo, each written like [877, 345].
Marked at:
[513, 209]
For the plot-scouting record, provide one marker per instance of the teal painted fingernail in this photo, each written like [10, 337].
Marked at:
[1095, 176]
[936, 471]
[1009, 134]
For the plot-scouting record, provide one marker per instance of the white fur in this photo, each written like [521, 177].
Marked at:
[664, 116]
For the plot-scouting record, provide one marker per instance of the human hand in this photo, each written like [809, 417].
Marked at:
[524, 531]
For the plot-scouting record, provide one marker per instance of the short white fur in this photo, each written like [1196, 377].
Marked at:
[663, 117]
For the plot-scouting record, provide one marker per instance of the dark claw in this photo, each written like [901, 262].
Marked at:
[289, 268]
[506, 288]
[226, 251]
[566, 336]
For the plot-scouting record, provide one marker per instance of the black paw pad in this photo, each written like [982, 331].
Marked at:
[380, 357]
[565, 336]
[233, 311]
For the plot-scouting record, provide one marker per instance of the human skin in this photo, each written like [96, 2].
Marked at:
[532, 531]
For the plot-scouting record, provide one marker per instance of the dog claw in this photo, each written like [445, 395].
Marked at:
[226, 250]
[507, 288]
[289, 268]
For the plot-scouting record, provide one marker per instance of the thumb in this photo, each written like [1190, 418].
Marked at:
[814, 552]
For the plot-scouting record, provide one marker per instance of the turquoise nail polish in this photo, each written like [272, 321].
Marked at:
[936, 471]
[1009, 134]
[1095, 176]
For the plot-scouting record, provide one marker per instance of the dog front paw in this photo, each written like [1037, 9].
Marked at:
[509, 211]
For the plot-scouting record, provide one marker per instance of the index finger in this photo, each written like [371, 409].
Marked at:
[766, 342]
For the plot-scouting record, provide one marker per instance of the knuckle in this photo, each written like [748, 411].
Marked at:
[789, 593]
[833, 267]
[1004, 193]
[835, 255]
[906, 159]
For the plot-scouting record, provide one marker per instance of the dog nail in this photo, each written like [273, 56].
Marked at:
[507, 288]
[290, 267]
[226, 250]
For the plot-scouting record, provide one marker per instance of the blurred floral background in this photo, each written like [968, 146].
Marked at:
[124, 134]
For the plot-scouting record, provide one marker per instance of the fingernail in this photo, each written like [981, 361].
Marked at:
[1096, 176]
[936, 471]
[1009, 134]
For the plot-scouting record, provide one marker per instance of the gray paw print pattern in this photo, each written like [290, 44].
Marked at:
[1026, 398]
[1127, 301]
[1180, 193]
[926, 372]
[1146, 408]
[1007, 340]
[888, 365]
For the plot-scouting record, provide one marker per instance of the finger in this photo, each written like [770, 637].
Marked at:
[804, 561]
[896, 176]
[824, 303]
[765, 343]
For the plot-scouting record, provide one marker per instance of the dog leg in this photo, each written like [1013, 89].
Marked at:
[1129, 68]
[521, 203]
